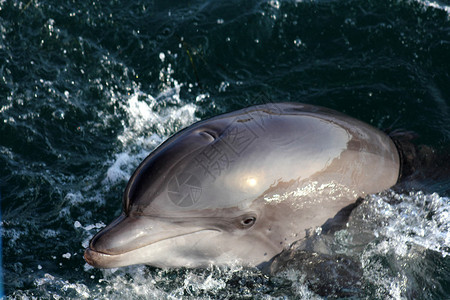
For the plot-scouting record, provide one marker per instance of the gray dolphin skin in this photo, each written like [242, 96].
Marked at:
[243, 186]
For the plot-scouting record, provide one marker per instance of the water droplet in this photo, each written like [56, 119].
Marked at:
[298, 42]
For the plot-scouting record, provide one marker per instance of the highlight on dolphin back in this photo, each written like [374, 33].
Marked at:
[243, 186]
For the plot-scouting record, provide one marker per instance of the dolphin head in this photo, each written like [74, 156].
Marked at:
[211, 193]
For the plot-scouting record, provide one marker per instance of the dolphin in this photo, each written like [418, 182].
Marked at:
[243, 186]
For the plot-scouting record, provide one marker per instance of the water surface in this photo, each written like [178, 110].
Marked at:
[87, 90]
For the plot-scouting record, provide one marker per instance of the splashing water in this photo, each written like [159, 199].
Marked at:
[89, 89]
[385, 235]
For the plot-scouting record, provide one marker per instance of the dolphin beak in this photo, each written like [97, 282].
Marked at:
[112, 246]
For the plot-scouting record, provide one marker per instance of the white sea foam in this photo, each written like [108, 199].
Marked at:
[149, 121]
[405, 227]
[161, 115]
[14, 235]
[436, 4]
[116, 172]
[50, 284]
[402, 226]
[49, 233]
[414, 219]
[88, 231]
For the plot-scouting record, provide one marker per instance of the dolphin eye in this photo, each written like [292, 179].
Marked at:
[247, 221]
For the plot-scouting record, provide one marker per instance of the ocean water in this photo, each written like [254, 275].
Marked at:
[88, 89]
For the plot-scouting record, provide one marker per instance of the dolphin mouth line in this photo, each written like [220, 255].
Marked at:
[104, 260]
[151, 243]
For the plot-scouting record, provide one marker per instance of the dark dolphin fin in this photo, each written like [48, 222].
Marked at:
[340, 219]
[422, 167]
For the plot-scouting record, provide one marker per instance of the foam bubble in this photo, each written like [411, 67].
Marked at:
[416, 218]
[116, 172]
[50, 283]
[49, 233]
[88, 232]
[13, 235]
[436, 5]
[402, 232]
[77, 224]
[149, 121]
[162, 56]
[146, 114]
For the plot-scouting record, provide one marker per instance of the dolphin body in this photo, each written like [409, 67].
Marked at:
[243, 186]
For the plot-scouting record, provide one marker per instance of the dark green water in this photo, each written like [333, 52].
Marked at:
[87, 90]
